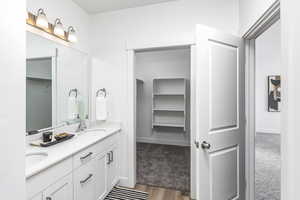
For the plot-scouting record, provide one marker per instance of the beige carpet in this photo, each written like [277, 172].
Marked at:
[164, 166]
[267, 172]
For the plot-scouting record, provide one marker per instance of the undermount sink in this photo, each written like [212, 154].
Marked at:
[95, 129]
[35, 157]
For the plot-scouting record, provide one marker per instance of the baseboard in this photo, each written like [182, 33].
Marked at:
[124, 182]
[162, 141]
[270, 131]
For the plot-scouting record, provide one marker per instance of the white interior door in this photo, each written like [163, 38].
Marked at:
[220, 116]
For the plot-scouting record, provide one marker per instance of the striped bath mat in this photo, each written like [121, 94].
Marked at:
[119, 193]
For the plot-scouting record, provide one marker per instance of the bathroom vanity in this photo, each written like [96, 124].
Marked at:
[83, 168]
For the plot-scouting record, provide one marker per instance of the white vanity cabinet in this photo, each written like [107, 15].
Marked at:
[85, 182]
[89, 174]
[61, 190]
[101, 175]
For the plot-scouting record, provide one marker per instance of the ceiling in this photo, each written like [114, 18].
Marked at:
[98, 6]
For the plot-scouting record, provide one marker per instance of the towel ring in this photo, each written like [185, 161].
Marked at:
[74, 90]
[101, 91]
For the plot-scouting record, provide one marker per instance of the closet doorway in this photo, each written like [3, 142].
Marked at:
[163, 122]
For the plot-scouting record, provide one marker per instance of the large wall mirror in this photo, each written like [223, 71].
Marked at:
[56, 83]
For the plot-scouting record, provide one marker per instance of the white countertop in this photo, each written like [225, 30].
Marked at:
[68, 148]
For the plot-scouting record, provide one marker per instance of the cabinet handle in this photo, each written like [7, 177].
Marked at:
[85, 180]
[48, 198]
[108, 158]
[86, 156]
[112, 156]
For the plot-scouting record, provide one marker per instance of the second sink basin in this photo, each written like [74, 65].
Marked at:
[35, 157]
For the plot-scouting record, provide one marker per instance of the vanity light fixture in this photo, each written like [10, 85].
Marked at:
[72, 34]
[41, 19]
[58, 28]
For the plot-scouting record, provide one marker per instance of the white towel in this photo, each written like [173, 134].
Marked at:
[73, 108]
[101, 108]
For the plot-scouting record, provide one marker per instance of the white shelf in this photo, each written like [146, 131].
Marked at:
[169, 102]
[38, 77]
[169, 109]
[169, 125]
[169, 86]
[168, 94]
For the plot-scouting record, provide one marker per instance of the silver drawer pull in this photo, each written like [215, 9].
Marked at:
[112, 156]
[86, 156]
[85, 180]
[108, 158]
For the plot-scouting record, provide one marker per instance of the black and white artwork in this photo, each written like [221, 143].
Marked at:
[274, 93]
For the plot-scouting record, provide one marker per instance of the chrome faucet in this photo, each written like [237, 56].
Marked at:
[81, 127]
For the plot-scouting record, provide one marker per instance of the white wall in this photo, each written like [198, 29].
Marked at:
[12, 101]
[167, 63]
[70, 14]
[268, 62]
[161, 22]
[167, 22]
[250, 11]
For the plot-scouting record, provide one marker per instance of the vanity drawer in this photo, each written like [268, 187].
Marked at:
[88, 154]
[39, 182]
[85, 182]
[84, 156]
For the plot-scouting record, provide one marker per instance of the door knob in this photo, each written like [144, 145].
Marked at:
[205, 145]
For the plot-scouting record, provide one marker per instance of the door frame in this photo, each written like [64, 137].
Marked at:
[271, 16]
[130, 122]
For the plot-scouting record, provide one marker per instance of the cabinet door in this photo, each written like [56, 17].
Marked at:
[113, 168]
[101, 176]
[85, 182]
[61, 190]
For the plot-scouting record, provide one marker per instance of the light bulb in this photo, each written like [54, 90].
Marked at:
[27, 15]
[72, 34]
[41, 19]
[58, 28]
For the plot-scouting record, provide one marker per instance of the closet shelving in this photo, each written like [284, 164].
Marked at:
[169, 102]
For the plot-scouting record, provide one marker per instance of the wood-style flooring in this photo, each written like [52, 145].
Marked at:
[158, 193]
